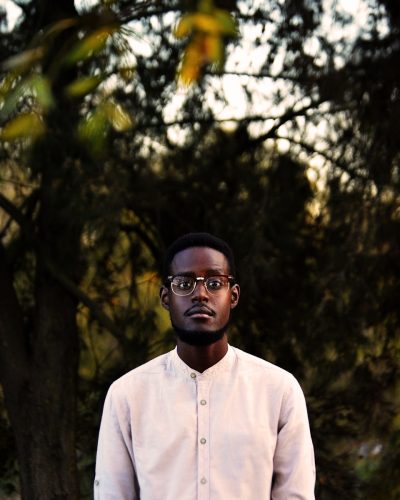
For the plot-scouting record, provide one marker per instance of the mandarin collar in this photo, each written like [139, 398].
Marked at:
[223, 365]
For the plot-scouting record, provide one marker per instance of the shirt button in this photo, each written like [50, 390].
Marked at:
[193, 375]
[203, 402]
[203, 440]
[97, 482]
[203, 480]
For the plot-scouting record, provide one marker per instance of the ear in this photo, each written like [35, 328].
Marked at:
[164, 297]
[235, 294]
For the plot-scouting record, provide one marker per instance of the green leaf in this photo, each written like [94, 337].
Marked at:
[11, 98]
[24, 125]
[37, 85]
[41, 87]
[84, 85]
[205, 6]
[92, 130]
[93, 125]
[226, 22]
[91, 44]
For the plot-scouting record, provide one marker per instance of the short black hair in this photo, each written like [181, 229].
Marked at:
[190, 240]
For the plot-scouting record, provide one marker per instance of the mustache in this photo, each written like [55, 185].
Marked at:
[199, 309]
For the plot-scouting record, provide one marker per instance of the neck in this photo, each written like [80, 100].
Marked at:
[200, 358]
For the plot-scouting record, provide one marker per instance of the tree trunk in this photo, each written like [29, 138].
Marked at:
[43, 416]
[38, 371]
[39, 358]
[39, 348]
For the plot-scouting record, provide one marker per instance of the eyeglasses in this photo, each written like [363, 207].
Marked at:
[185, 285]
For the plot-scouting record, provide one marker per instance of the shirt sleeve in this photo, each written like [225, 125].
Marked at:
[294, 465]
[115, 465]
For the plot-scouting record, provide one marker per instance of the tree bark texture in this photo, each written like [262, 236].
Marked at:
[43, 413]
[39, 366]
[39, 352]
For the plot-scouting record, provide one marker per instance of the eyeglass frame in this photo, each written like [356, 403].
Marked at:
[231, 281]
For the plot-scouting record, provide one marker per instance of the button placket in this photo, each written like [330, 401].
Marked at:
[203, 432]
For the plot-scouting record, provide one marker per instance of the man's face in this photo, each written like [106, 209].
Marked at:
[200, 311]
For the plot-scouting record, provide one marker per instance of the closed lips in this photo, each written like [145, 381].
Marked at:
[199, 310]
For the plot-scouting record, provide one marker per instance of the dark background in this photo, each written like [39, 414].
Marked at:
[87, 209]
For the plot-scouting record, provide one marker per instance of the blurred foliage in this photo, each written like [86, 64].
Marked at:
[206, 27]
[33, 75]
[305, 187]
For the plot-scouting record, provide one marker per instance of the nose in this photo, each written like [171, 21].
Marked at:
[200, 292]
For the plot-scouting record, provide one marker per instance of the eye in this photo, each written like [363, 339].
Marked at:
[215, 283]
[183, 282]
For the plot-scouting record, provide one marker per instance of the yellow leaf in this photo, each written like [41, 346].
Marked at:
[61, 25]
[90, 44]
[126, 73]
[188, 74]
[26, 58]
[7, 84]
[206, 23]
[25, 125]
[184, 26]
[83, 86]
[189, 70]
[213, 49]
[118, 117]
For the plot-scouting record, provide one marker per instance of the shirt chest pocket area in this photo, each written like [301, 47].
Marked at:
[165, 422]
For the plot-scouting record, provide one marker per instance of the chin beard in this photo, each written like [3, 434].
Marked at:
[198, 337]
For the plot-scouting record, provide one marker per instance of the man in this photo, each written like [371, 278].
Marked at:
[206, 420]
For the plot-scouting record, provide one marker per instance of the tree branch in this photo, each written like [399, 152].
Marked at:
[17, 215]
[286, 117]
[186, 121]
[144, 237]
[55, 272]
[79, 294]
[311, 149]
[262, 74]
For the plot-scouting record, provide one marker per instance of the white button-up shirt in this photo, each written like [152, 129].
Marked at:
[239, 430]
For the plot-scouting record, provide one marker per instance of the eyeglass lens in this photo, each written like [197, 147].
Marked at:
[184, 285]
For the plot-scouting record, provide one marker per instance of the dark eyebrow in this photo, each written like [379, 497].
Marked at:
[209, 272]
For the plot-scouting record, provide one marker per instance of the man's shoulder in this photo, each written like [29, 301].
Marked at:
[255, 363]
[265, 374]
[153, 367]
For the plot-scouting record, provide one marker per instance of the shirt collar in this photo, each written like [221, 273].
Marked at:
[223, 365]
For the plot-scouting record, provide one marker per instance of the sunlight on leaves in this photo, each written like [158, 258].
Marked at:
[84, 85]
[35, 85]
[61, 26]
[93, 129]
[40, 87]
[118, 118]
[126, 73]
[24, 125]
[207, 29]
[90, 45]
